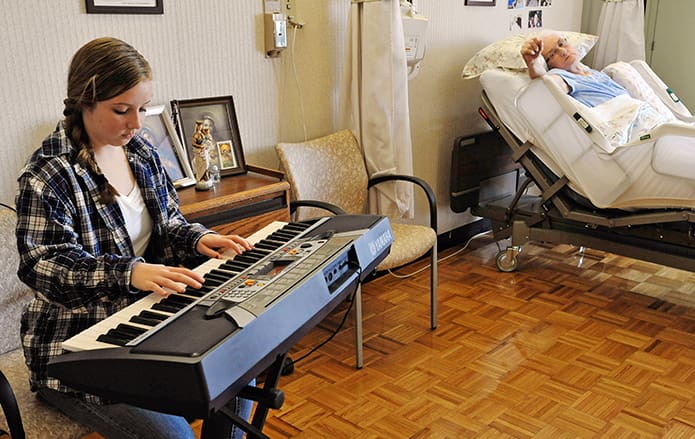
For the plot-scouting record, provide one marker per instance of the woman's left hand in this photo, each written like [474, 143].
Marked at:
[213, 245]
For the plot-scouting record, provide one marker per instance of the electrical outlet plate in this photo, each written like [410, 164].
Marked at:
[289, 8]
[286, 7]
[282, 6]
[270, 6]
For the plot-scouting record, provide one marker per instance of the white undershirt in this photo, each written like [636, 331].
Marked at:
[138, 221]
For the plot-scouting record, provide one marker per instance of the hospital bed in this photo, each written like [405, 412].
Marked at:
[634, 198]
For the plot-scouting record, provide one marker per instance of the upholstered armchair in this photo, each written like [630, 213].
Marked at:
[332, 169]
[25, 414]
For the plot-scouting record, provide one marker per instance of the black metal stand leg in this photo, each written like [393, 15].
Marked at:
[270, 386]
[220, 424]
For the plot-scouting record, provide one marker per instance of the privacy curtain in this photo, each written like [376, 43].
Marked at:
[621, 32]
[374, 99]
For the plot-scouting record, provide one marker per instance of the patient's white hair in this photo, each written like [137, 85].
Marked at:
[542, 35]
[545, 33]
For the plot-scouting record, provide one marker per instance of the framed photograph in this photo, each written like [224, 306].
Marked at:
[218, 116]
[480, 2]
[159, 131]
[125, 6]
[225, 152]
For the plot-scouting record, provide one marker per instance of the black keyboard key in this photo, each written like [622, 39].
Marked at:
[229, 274]
[130, 329]
[248, 259]
[177, 298]
[197, 292]
[110, 339]
[120, 335]
[269, 244]
[144, 320]
[149, 318]
[234, 266]
[258, 251]
[163, 306]
[153, 315]
[295, 227]
[281, 236]
[213, 281]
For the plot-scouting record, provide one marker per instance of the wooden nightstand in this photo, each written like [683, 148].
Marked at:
[239, 204]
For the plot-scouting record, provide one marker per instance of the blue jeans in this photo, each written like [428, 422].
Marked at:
[116, 421]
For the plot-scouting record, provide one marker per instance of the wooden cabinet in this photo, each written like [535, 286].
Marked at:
[239, 204]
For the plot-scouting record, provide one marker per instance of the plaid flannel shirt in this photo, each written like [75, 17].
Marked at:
[75, 251]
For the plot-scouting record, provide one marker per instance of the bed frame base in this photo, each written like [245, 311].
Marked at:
[665, 237]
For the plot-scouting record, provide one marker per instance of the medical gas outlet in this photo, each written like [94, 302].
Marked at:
[275, 24]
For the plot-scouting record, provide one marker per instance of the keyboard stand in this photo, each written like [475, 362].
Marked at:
[268, 397]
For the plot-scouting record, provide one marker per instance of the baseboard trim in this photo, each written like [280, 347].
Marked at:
[462, 234]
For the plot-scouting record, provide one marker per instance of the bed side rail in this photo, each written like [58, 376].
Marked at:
[667, 95]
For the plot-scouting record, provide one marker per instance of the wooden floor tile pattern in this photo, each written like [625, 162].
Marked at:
[574, 344]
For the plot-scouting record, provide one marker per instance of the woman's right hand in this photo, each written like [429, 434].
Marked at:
[163, 279]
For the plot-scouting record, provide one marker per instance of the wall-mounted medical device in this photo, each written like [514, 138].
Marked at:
[275, 25]
[414, 31]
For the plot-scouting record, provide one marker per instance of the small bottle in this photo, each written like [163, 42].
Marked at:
[214, 174]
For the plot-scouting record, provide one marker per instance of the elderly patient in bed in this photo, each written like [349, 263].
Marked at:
[618, 116]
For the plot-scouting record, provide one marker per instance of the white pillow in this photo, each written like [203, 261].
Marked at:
[504, 54]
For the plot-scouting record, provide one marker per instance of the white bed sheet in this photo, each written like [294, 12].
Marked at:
[502, 88]
[658, 172]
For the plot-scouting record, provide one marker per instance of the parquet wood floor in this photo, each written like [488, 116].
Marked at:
[571, 345]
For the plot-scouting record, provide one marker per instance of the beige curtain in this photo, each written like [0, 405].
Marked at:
[621, 32]
[374, 99]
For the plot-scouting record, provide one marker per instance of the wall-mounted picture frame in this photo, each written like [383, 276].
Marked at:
[125, 6]
[218, 115]
[159, 131]
[480, 2]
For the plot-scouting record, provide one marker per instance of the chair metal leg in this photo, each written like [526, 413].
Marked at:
[359, 352]
[433, 287]
[11, 409]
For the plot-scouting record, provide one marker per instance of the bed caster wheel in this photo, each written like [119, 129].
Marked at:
[507, 260]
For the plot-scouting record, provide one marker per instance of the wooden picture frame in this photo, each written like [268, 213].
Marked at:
[480, 2]
[158, 130]
[219, 115]
[125, 6]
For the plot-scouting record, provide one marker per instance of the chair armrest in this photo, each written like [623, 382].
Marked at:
[10, 408]
[316, 203]
[431, 200]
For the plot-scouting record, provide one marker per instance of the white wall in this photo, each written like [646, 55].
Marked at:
[215, 47]
[442, 105]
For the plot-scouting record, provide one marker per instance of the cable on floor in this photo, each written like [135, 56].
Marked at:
[405, 276]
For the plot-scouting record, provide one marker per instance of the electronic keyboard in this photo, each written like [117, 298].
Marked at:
[155, 307]
[190, 353]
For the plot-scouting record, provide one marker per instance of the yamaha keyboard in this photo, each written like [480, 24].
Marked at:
[190, 353]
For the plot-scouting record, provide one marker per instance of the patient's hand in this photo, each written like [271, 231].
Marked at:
[531, 53]
[531, 49]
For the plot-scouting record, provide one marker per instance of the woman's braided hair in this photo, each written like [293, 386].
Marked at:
[100, 70]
